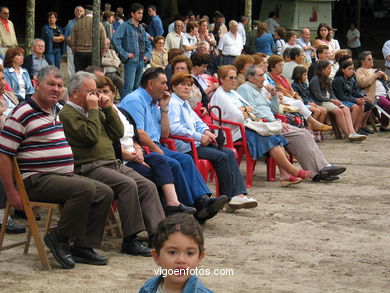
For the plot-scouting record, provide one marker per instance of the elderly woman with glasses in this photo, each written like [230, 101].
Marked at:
[184, 122]
[235, 108]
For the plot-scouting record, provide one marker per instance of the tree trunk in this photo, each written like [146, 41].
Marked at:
[30, 27]
[174, 7]
[96, 33]
[248, 13]
[358, 12]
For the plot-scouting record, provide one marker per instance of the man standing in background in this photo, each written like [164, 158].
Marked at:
[155, 27]
[7, 32]
[133, 47]
[78, 13]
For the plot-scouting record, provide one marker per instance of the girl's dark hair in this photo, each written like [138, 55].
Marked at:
[179, 222]
[324, 80]
[319, 28]
[344, 58]
[343, 65]
[297, 73]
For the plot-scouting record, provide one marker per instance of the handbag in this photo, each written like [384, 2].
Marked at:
[265, 128]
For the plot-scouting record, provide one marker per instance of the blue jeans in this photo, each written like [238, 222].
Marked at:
[55, 57]
[133, 73]
[226, 167]
[159, 171]
[189, 184]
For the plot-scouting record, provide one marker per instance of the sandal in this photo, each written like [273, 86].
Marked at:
[304, 174]
[291, 181]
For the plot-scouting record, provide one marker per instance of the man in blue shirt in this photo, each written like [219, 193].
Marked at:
[155, 27]
[133, 47]
[152, 124]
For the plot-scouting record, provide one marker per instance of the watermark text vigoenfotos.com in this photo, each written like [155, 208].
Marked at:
[196, 271]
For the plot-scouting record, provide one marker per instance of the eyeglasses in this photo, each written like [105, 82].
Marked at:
[233, 77]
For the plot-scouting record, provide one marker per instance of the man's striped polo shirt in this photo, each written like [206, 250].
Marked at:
[37, 139]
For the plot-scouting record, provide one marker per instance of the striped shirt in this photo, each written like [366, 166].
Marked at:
[37, 139]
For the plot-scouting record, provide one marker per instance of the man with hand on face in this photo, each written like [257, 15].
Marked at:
[34, 134]
[153, 123]
[91, 126]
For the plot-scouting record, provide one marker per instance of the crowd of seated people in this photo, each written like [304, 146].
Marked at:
[123, 152]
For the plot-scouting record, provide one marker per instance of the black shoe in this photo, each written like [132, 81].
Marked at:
[22, 214]
[332, 170]
[211, 207]
[13, 228]
[362, 132]
[135, 247]
[170, 210]
[330, 178]
[60, 251]
[368, 130]
[88, 256]
[382, 129]
[151, 240]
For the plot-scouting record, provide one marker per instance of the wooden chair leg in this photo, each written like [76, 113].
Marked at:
[371, 120]
[33, 227]
[336, 130]
[114, 223]
[3, 225]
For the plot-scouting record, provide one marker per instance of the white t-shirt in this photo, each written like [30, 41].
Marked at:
[380, 90]
[187, 40]
[351, 34]
[231, 45]
[127, 141]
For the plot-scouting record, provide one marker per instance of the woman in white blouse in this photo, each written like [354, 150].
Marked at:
[231, 104]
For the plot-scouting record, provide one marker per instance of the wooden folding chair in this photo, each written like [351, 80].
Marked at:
[335, 128]
[30, 208]
[113, 224]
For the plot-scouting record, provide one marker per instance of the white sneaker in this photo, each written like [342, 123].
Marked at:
[356, 137]
[241, 202]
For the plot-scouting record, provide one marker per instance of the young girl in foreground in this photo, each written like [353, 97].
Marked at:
[178, 251]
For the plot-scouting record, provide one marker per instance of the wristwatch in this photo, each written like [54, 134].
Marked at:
[164, 111]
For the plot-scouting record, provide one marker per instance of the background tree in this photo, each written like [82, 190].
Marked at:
[30, 27]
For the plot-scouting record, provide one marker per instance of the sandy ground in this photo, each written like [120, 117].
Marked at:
[309, 238]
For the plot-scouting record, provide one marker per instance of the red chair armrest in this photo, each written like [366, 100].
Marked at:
[228, 134]
[169, 142]
[191, 141]
[242, 127]
[146, 149]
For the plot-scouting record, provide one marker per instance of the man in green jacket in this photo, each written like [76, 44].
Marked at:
[91, 125]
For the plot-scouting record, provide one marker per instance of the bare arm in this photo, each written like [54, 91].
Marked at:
[147, 141]
[163, 103]
[8, 182]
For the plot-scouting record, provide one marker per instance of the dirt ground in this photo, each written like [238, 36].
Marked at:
[313, 237]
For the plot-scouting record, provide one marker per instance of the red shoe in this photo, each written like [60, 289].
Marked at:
[304, 174]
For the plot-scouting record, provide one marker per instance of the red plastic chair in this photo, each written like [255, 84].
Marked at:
[204, 166]
[242, 148]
